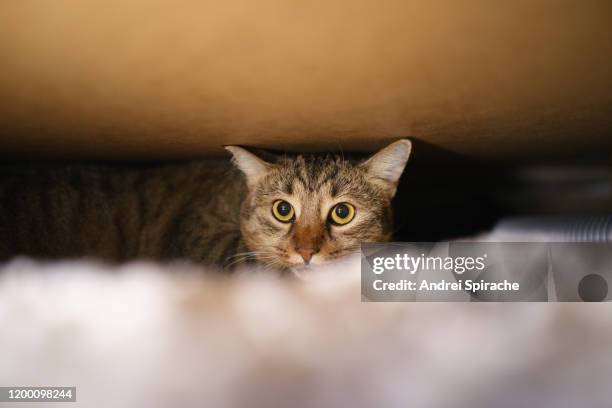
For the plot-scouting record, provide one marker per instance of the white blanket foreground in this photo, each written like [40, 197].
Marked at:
[146, 335]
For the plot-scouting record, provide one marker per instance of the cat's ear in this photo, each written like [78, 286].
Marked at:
[252, 166]
[387, 165]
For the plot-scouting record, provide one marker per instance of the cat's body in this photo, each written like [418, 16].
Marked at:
[120, 212]
[286, 213]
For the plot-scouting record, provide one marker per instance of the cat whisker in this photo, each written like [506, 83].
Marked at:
[246, 253]
[252, 255]
[239, 259]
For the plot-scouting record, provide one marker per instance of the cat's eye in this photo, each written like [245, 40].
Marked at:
[342, 213]
[283, 211]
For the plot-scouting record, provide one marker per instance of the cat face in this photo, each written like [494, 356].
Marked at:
[309, 210]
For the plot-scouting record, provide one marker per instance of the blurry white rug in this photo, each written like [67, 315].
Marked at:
[163, 336]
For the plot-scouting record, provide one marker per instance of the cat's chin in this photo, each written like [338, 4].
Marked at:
[303, 271]
[309, 271]
[348, 266]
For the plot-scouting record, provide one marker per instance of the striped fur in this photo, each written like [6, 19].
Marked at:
[201, 211]
[117, 213]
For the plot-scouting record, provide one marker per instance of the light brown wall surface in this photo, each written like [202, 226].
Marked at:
[166, 79]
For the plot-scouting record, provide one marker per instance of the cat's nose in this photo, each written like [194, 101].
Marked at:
[306, 253]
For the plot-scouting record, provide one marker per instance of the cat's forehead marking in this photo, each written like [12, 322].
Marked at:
[309, 180]
[314, 173]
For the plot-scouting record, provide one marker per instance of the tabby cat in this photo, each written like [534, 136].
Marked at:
[284, 213]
